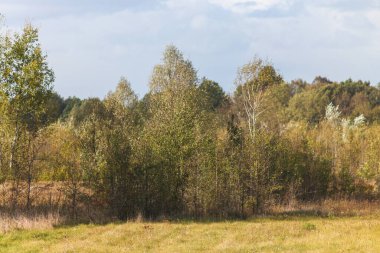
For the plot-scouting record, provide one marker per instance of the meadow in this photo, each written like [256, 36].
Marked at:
[270, 234]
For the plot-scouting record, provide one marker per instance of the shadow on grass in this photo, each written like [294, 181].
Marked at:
[303, 212]
[304, 215]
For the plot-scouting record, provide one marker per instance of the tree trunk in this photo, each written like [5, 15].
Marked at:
[13, 168]
[30, 168]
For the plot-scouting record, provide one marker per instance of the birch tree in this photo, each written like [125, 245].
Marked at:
[25, 85]
[252, 81]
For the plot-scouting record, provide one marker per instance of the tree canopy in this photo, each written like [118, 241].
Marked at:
[187, 148]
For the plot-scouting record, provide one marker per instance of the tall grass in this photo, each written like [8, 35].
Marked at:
[28, 222]
[329, 207]
[46, 220]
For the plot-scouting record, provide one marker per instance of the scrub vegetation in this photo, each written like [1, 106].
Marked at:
[185, 151]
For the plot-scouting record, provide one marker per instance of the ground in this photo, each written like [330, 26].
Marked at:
[291, 234]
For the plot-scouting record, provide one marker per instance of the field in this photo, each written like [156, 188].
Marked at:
[277, 234]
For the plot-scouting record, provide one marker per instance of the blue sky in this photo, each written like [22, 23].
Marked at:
[92, 43]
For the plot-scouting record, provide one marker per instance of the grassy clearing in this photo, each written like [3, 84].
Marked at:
[301, 234]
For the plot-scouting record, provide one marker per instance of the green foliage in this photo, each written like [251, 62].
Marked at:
[69, 104]
[309, 226]
[54, 108]
[353, 98]
[175, 73]
[25, 88]
[298, 86]
[214, 93]
[88, 107]
[256, 76]
[186, 148]
[25, 78]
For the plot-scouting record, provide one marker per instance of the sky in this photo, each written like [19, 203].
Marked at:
[92, 43]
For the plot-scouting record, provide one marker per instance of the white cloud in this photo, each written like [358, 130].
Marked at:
[90, 50]
[248, 6]
[374, 17]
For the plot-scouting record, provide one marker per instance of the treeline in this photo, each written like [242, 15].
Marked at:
[186, 148]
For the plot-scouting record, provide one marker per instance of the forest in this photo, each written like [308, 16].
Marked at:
[186, 148]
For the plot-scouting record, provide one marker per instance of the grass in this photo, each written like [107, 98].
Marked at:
[281, 234]
[19, 222]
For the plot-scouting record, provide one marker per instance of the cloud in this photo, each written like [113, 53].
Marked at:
[92, 43]
[249, 6]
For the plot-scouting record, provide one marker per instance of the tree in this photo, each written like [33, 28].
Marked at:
[25, 86]
[321, 80]
[214, 93]
[252, 82]
[87, 108]
[69, 104]
[64, 162]
[174, 130]
[298, 86]
[119, 132]
[54, 108]
[175, 73]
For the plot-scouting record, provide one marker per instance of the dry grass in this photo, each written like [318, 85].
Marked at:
[301, 234]
[28, 222]
[329, 207]
[327, 226]
[42, 193]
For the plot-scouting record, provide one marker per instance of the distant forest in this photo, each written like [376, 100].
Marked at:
[186, 149]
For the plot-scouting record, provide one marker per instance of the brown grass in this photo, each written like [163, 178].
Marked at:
[28, 222]
[51, 207]
[326, 208]
[329, 207]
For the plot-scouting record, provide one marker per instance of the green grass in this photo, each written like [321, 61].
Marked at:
[297, 234]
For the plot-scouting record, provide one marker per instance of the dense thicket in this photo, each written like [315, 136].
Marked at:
[186, 148]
